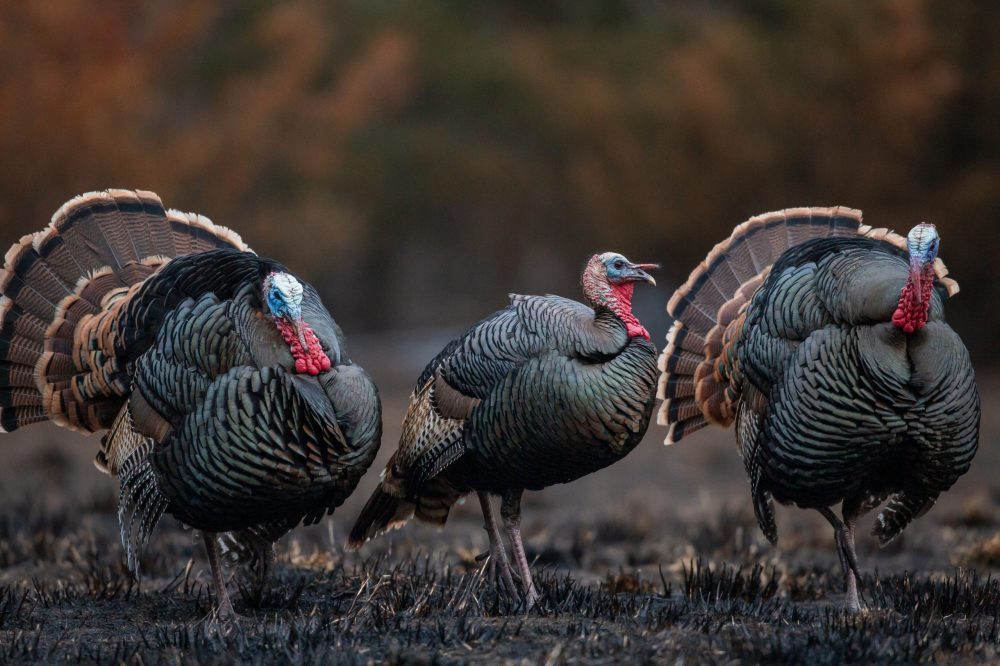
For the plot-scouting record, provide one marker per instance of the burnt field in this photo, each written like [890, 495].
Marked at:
[655, 559]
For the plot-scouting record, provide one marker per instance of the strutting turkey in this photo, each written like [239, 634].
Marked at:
[545, 391]
[228, 397]
[824, 341]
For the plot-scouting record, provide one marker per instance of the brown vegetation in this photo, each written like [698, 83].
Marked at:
[426, 158]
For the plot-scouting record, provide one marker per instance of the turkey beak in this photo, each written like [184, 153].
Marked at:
[637, 273]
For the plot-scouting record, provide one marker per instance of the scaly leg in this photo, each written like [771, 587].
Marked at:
[843, 533]
[265, 565]
[851, 510]
[510, 511]
[498, 554]
[224, 609]
[851, 599]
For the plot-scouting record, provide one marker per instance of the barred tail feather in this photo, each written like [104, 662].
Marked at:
[140, 506]
[60, 290]
[714, 297]
[382, 513]
[140, 501]
[901, 509]
[388, 509]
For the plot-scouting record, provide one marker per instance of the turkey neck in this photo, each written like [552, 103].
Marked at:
[617, 301]
[915, 299]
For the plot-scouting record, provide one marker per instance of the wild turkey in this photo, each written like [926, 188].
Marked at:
[545, 391]
[229, 399]
[824, 340]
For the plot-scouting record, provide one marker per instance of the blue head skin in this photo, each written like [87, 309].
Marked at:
[608, 281]
[620, 270]
[283, 298]
[915, 298]
[922, 243]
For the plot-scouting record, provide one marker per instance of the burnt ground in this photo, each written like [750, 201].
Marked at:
[655, 559]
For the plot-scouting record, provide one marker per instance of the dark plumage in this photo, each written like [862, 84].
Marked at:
[825, 342]
[229, 399]
[544, 391]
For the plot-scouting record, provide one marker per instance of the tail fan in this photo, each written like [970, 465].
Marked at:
[60, 291]
[715, 296]
[708, 307]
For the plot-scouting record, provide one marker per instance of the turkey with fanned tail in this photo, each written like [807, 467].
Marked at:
[228, 396]
[824, 341]
[545, 391]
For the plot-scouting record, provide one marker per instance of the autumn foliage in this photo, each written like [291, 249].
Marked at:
[418, 160]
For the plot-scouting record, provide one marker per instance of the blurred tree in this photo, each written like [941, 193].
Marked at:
[419, 159]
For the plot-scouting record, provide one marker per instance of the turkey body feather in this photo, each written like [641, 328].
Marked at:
[558, 393]
[241, 438]
[249, 440]
[154, 324]
[824, 342]
[544, 391]
[854, 406]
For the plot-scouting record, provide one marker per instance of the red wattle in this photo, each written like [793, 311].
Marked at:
[622, 296]
[914, 301]
[311, 361]
[636, 330]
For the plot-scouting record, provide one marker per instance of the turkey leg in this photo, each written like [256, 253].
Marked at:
[224, 609]
[498, 554]
[852, 574]
[264, 565]
[510, 511]
[843, 533]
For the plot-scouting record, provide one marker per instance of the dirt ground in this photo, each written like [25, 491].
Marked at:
[656, 559]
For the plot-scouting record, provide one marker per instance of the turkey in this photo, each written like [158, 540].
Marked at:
[228, 398]
[824, 341]
[545, 391]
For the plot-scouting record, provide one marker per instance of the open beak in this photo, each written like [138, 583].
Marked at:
[637, 273]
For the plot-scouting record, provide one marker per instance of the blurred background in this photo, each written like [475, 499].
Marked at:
[419, 160]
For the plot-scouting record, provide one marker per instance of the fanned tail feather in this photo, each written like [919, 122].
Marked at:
[60, 291]
[714, 297]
